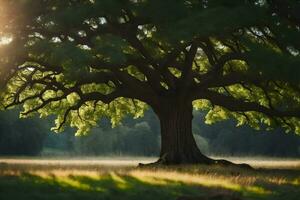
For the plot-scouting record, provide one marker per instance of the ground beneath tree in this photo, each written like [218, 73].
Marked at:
[95, 178]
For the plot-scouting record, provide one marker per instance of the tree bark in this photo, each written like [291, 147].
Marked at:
[178, 145]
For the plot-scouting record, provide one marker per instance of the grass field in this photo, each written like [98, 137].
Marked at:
[112, 179]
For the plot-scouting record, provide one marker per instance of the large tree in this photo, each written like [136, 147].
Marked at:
[85, 59]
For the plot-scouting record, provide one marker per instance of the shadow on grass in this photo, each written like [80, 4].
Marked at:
[106, 187]
[115, 186]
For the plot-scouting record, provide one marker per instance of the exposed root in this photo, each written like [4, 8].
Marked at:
[160, 162]
[224, 163]
[227, 163]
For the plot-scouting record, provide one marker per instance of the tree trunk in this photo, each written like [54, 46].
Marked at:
[178, 145]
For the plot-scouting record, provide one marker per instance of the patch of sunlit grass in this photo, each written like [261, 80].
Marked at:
[119, 180]
[296, 182]
[212, 181]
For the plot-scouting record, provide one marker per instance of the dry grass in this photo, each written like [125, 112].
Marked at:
[100, 178]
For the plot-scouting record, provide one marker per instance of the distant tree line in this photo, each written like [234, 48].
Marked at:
[21, 136]
[139, 138]
[134, 137]
[224, 138]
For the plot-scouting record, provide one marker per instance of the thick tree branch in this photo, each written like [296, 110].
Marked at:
[137, 44]
[186, 77]
[239, 105]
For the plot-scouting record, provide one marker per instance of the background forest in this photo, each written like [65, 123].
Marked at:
[139, 137]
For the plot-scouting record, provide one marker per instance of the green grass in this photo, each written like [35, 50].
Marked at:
[28, 179]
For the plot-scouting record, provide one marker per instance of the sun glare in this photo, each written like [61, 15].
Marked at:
[5, 40]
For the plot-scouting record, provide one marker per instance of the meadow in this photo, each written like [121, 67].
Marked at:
[119, 178]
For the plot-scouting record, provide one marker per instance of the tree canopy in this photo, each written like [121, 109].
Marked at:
[85, 59]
